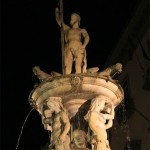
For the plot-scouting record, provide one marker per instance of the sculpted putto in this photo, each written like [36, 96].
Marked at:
[100, 118]
[56, 120]
[79, 140]
[76, 40]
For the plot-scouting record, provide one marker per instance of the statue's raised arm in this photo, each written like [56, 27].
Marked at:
[60, 21]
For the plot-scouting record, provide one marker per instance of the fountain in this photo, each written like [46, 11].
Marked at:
[77, 107]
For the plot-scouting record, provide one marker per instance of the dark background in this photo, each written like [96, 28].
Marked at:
[30, 37]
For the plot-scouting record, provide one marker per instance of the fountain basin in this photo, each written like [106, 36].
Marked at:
[75, 90]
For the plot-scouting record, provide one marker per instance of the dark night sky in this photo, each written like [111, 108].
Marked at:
[31, 37]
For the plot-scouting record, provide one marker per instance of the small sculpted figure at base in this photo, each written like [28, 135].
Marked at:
[79, 140]
[99, 118]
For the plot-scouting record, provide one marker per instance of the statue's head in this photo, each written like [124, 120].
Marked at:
[99, 102]
[35, 69]
[75, 18]
[79, 138]
[118, 67]
[54, 103]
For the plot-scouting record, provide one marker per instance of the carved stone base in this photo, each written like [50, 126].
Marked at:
[76, 92]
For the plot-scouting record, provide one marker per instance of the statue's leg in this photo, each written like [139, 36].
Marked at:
[68, 62]
[84, 63]
[102, 145]
[78, 63]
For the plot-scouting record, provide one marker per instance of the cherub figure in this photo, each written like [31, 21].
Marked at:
[76, 40]
[100, 118]
[79, 140]
[56, 120]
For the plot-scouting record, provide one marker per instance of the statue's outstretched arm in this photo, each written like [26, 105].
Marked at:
[109, 124]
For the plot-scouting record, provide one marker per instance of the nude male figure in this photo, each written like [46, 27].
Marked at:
[76, 40]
